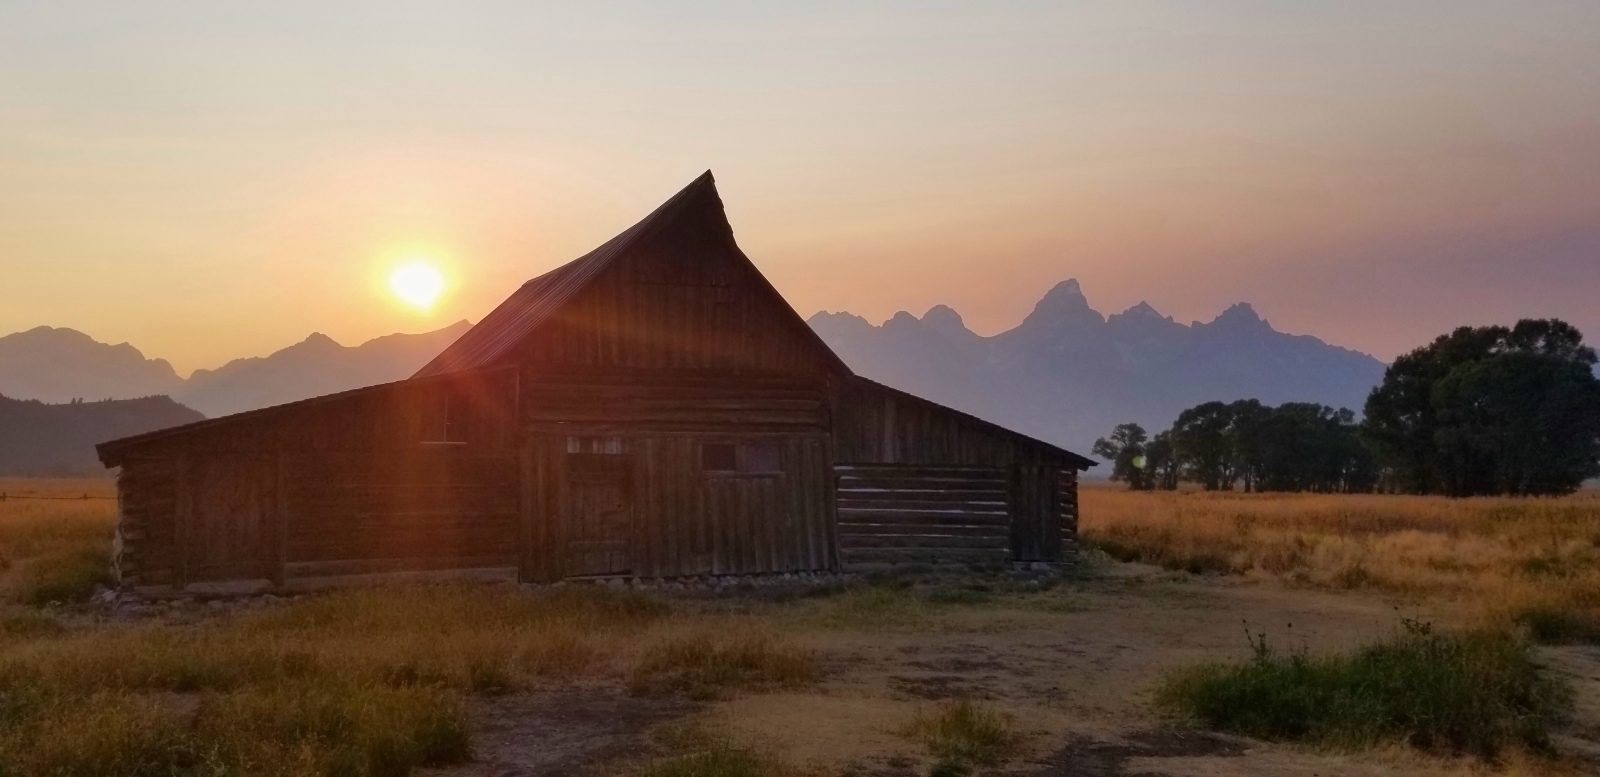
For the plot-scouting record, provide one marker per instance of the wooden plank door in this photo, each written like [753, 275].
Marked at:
[597, 514]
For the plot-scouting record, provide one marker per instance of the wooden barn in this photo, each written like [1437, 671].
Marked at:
[652, 409]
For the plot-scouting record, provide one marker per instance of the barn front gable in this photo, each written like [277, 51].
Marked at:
[672, 293]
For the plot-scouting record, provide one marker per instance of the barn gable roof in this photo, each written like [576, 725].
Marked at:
[539, 300]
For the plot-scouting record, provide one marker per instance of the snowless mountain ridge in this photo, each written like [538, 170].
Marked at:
[1067, 373]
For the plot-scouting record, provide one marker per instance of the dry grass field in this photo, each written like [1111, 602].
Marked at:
[911, 674]
[1529, 562]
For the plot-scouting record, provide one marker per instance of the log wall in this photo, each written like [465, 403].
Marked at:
[909, 514]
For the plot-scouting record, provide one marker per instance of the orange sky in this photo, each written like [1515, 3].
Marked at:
[212, 182]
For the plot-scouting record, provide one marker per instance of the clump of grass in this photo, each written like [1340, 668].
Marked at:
[1554, 625]
[963, 734]
[705, 667]
[1475, 692]
[359, 730]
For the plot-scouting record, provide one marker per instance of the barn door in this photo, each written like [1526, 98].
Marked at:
[598, 514]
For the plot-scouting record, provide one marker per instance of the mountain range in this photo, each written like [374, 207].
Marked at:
[59, 365]
[1066, 374]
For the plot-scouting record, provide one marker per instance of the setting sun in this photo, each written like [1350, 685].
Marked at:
[417, 283]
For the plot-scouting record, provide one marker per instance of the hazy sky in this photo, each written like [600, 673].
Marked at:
[208, 180]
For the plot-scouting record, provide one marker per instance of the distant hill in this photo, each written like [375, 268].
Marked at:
[312, 367]
[39, 439]
[1067, 374]
[60, 365]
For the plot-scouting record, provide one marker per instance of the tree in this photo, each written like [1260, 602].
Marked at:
[1126, 450]
[1246, 440]
[1490, 410]
[1201, 440]
[1161, 462]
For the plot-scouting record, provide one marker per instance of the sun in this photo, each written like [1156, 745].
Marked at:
[417, 283]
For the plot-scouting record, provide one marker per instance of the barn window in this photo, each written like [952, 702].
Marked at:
[745, 458]
[445, 419]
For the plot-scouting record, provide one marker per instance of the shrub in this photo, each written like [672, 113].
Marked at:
[1553, 625]
[704, 667]
[960, 734]
[1476, 692]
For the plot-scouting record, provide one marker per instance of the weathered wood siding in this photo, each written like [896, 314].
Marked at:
[686, 521]
[431, 507]
[659, 405]
[915, 514]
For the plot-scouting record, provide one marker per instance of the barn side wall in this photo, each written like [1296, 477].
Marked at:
[349, 484]
[921, 483]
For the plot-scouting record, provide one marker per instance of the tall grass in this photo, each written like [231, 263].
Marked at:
[366, 682]
[1536, 561]
[54, 550]
[1478, 692]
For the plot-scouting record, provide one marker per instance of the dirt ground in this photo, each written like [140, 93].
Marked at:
[1075, 668]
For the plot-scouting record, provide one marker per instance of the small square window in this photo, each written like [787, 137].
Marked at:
[718, 457]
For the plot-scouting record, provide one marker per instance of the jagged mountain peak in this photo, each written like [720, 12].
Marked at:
[1063, 306]
[1240, 316]
[1143, 310]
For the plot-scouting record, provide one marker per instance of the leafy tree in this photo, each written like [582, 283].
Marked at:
[1202, 441]
[1490, 410]
[1246, 430]
[1161, 462]
[1126, 450]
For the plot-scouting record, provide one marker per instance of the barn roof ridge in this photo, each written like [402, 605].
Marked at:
[538, 299]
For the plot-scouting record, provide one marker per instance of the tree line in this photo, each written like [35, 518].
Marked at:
[1481, 410]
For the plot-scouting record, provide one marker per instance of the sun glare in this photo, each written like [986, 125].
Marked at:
[417, 283]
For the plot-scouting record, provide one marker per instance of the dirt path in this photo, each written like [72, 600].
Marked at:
[1076, 668]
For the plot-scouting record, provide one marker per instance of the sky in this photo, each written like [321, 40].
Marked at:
[210, 180]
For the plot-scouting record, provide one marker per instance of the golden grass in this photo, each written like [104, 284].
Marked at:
[54, 549]
[1535, 562]
[360, 682]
